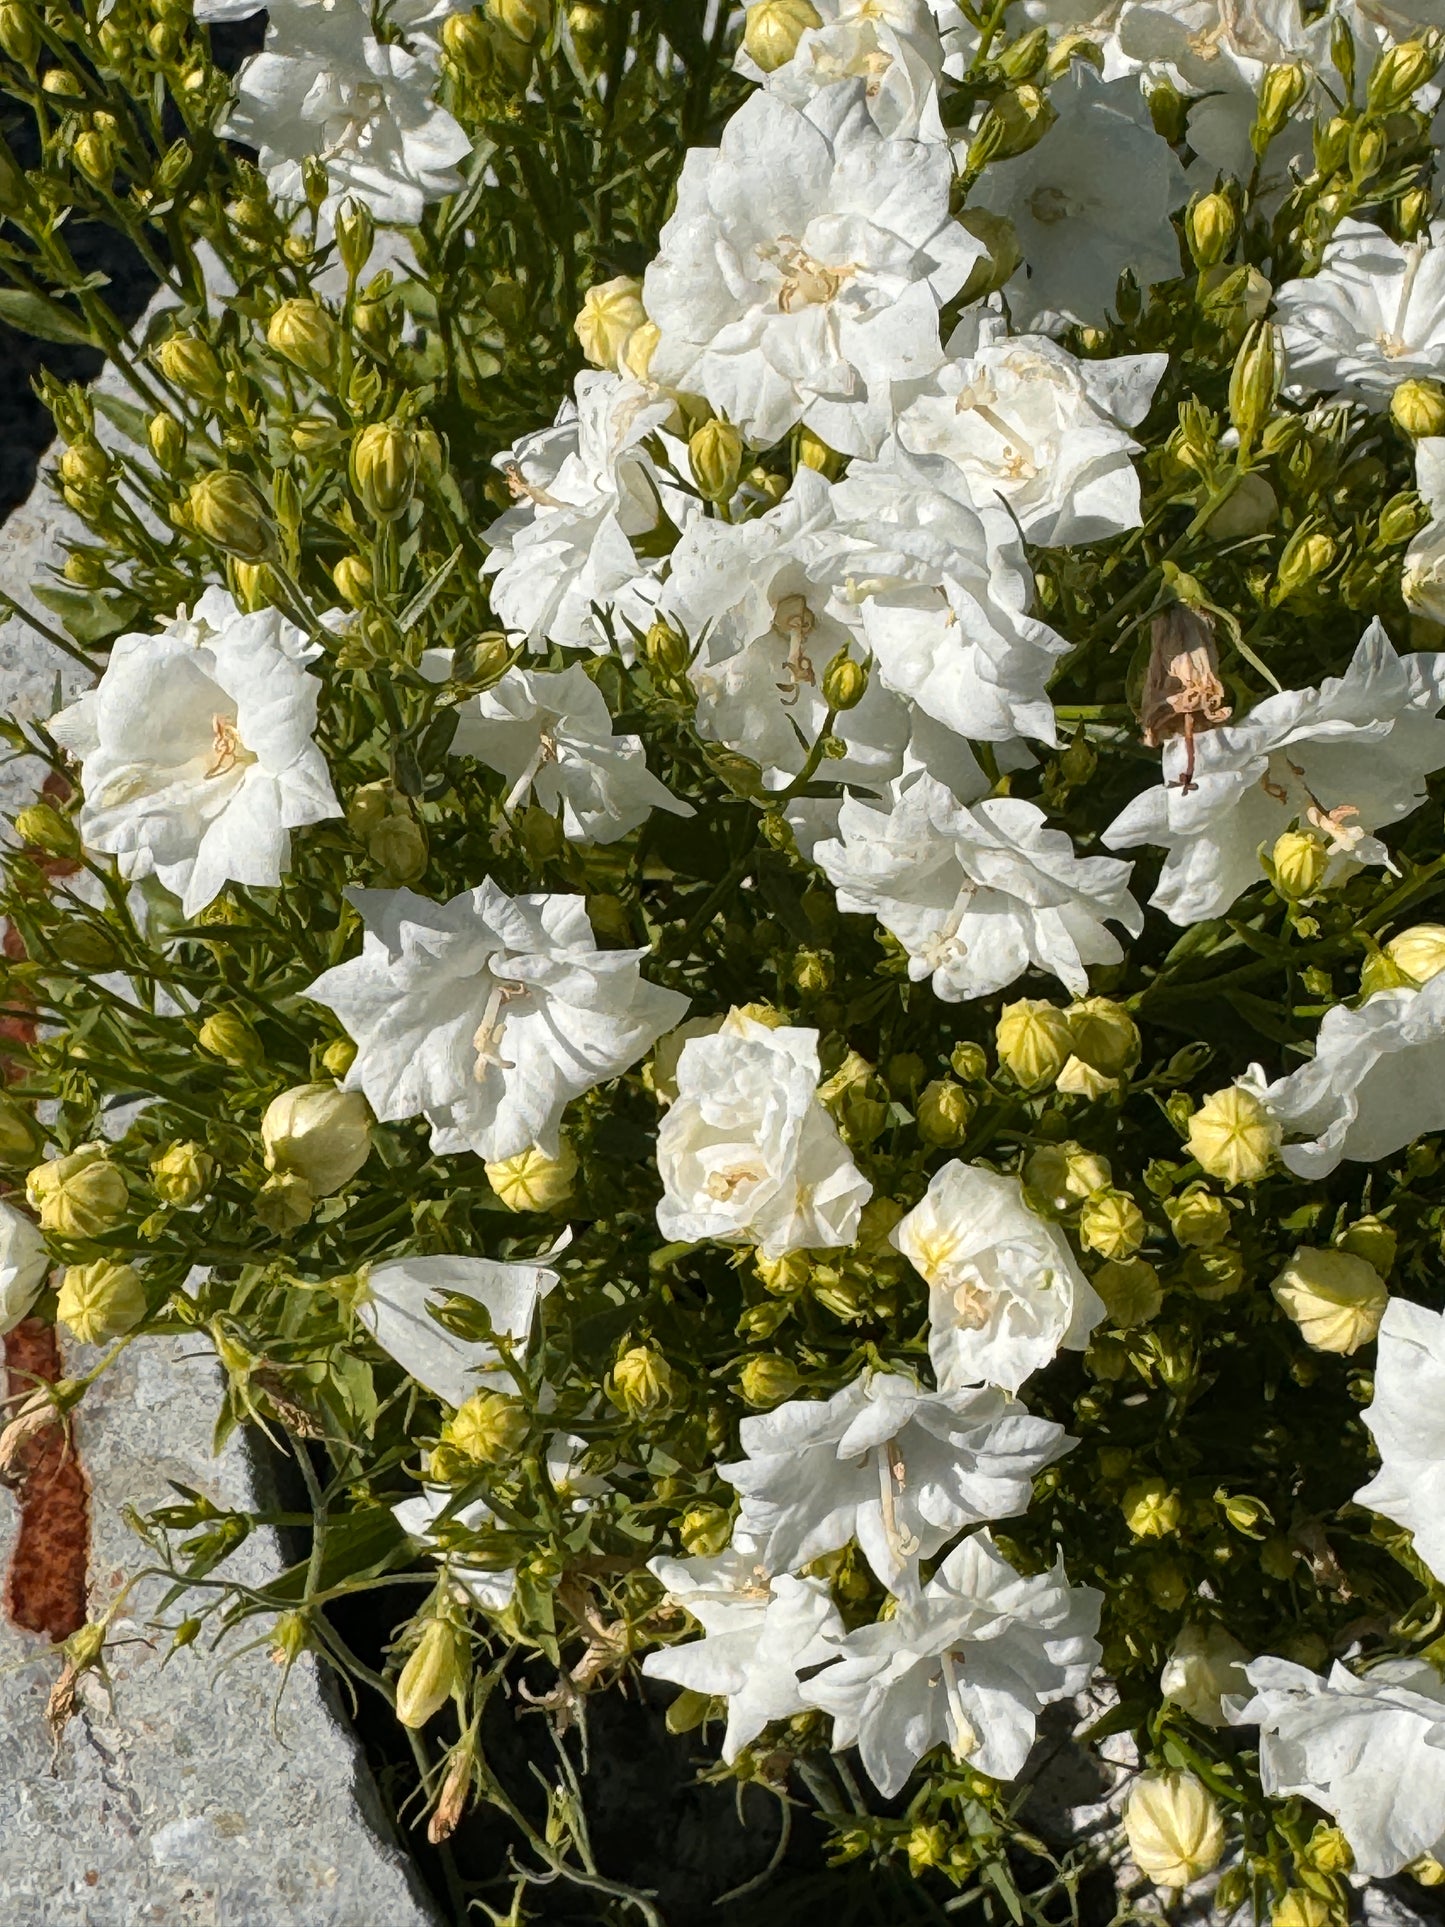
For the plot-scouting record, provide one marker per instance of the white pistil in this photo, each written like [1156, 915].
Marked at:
[964, 1740]
[891, 1474]
[545, 752]
[487, 1036]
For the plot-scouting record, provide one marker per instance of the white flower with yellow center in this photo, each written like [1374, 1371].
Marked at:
[197, 757]
[895, 47]
[488, 1014]
[801, 275]
[1005, 1294]
[1372, 317]
[967, 1663]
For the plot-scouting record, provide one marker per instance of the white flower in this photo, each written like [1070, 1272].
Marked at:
[1344, 759]
[1370, 1751]
[586, 490]
[1375, 1083]
[1021, 418]
[803, 270]
[1005, 1294]
[24, 1262]
[1090, 199]
[1372, 317]
[977, 895]
[759, 1633]
[418, 1517]
[392, 1305]
[746, 1151]
[197, 752]
[900, 1469]
[325, 86]
[1406, 1419]
[967, 1664]
[1205, 1662]
[1422, 581]
[489, 1014]
[943, 590]
[893, 46]
[550, 736]
[564, 1462]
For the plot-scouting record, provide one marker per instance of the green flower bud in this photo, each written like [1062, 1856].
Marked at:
[1209, 227]
[488, 1428]
[705, 1530]
[969, 1063]
[1151, 1510]
[944, 1110]
[398, 848]
[20, 1135]
[224, 508]
[19, 36]
[284, 1203]
[1112, 1224]
[1401, 519]
[1254, 382]
[1034, 1042]
[1281, 91]
[182, 1174]
[1167, 1584]
[188, 363]
[1104, 1035]
[782, 1276]
[100, 1301]
[1373, 1240]
[999, 265]
[1063, 1176]
[1245, 1513]
[40, 826]
[1214, 1274]
[352, 576]
[845, 682]
[927, 1846]
[228, 1035]
[1016, 121]
[814, 452]
[1169, 111]
[435, 1670]
[1399, 75]
[767, 1379]
[317, 1132]
[640, 1383]
[1418, 408]
[1307, 554]
[312, 437]
[167, 441]
[715, 454]
[876, 1224]
[82, 1195]
[844, 1297]
[468, 44]
[1233, 1137]
[812, 972]
[1198, 1218]
[666, 649]
[355, 236]
[85, 946]
[855, 1096]
[303, 333]
[529, 21]
[94, 156]
[532, 1181]
[383, 469]
[587, 30]
[1299, 860]
[1300, 1907]
[774, 28]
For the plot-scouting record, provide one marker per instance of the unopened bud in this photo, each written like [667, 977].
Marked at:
[774, 28]
[228, 1035]
[640, 1383]
[1173, 1828]
[1369, 144]
[1112, 1225]
[94, 154]
[1402, 518]
[352, 576]
[1233, 1137]
[82, 1195]
[435, 1670]
[1335, 1298]
[224, 508]
[355, 235]
[845, 682]
[1280, 92]
[944, 1111]
[304, 333]
[532, 1181]
[767, 1379]
[1299, 861]
[167, 441]
[40, 826]
[1151, 1510]
[715, 454]
[1197, 1218]
[19, 36]
[526, 20]
[182, 1174]
[317, 1132]
[398, 848]
[1418, 408]
[1302, 1907]
[705, 1530]
[666, 649]
[1254, 382]
[100, 1301]
[383, 469]
[612, 312]
[1034, 1041]
[1399, 75]
[1209, 226]
[1205, 1663]
[1419, 952]
[188, 363]
[1104, 1035]
[284, 1203]
[488, 1428]
[999, 265]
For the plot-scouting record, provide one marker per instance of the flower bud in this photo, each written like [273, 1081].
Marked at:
[1419, 952]
[284, 1203]
[435, 1670]
[1301, 1907]
[94, 154]
[19, 36]
[1254, 382]
[1151, 1510]
[317, 1132]
[383, 469]
[927, 1846]
[774, 28]
[1169, 111]
[167, 441]
[1299, 860]
[1399, 74]
[227, 1034]
[526, 20]
[1232, 1136]
[100, 1301]
[1111, 1224]
[397, 845]
[1205, 1663]
[304, 334]
[1209, 227]
[944, 1110]
[1214, 1274]
[488, 1427]
[40, 826]
[1280, 92]
[82, 1195]
[995, 268]
[666, 649]
[532, 1181]
[969, 1063]
[85, 465]
[352, 576]
[1017, 120]
[767, 1379]
[468, 43]
[612, 312]
[1173, 1828]
[1429, 1871]
[1401, 519]
[1063, 1176]
[1328, 1851]
[224, 508]
[856, 1097]
[1198, 1218]
[705, 1530]
[1104, 1035]
[187, 362]
[845, 682]
[1034, 1041]
[182, 1174]
[1335, 1298]
[1373, 1240]
[715, 454]
[640, 1383]
[20, 1136]
[1418, 408]
[1307, 554]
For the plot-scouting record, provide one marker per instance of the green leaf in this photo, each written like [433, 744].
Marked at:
[91, 617]
[32, 314]
[412, 614]
[124, 415]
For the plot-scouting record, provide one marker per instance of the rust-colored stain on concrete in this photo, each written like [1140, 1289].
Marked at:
[45, 1585]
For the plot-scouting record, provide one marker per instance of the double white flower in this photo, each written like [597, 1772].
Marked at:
[1372, 317]
[1406, 1419]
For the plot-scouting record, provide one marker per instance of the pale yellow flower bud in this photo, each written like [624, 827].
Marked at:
[1104, 1035]
[1034, 1041]
[640, 1382]
[435, 1670]
[705, 1530]
[715, 454]
[82, 1195]
[1419, 952]
[487, 1427]
[774, 28]
[1336, 1299]
[182, 1174]
[783, 1276]
[532, 1181]
[284, 1203]
[1233, 1137]
[641, 346]
[612, 312]
[1373, 1240]
[1205, 1663]
[1111, 1224]
[1418, 407]
[767, 1380]
[352, 576]
[226, 1034]
[1198, 1218]
[188, 362]
[1151, 1510]
[317, 1132]
[226, 509]
[1209, 227]
[100, 1301]
[383, 469]
[304, 333]
[845, 681]
[1173, 1828]
[1300, 1907]
[944, 1110]
[1300, 860]
[526, 20]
